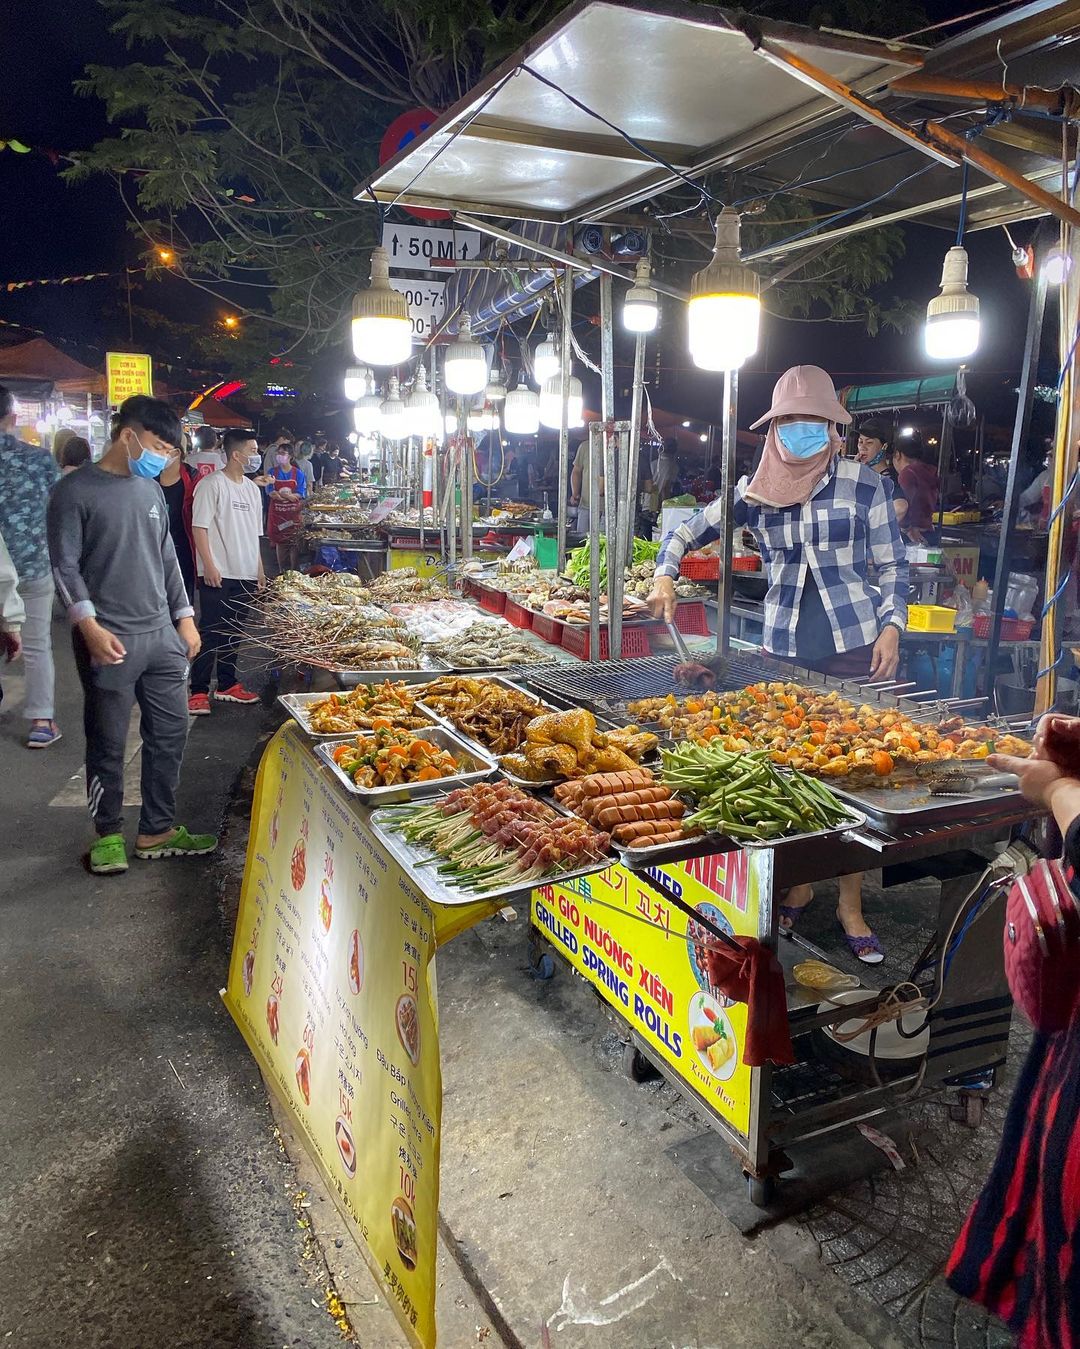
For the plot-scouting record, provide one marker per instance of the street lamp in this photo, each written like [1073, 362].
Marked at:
[355, 382]
[466, 368]
[393, 421]
[952, 316]
[545, 361]
[551, 403]
[641, 304]
[423, 416]
[521, 411]
[381, 327]
[725, 303]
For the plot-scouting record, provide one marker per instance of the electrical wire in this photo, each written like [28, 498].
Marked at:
[962, 221]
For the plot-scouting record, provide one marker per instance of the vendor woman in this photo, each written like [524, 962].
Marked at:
[875, 451]
[819, 520]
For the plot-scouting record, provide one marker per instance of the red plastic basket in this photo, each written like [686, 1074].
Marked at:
[494, 601]
[700, 568]
[1012, 629]
[691, 618]
[517, 614]
[746, 563]
[575, 639]
[550, 629]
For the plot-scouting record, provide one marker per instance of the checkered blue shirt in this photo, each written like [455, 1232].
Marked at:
[848, 522]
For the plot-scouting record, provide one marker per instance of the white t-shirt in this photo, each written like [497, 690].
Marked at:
[231, 513]
[202, 462]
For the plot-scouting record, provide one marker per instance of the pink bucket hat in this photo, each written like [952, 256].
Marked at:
[804, 388]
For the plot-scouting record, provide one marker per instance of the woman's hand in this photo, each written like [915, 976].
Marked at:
[885, 659]
[662, 599]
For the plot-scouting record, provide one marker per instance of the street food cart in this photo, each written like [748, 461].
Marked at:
[603, 112]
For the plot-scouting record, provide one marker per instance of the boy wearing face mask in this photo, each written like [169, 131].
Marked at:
[134, 633]
[820, 520]
[226, 517]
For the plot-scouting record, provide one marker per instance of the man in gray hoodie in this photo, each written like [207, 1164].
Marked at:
[133, 626]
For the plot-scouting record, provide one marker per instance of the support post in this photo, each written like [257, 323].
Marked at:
[596, 431]
[727, 508]
[633, 458]
[1021, 423]
[564, 420]
[612, 486]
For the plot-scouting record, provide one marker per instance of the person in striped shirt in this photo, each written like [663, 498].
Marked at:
[820, 521]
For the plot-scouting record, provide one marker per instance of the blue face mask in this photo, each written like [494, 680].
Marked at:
[149, 463]
[804, 439]
[877, 459]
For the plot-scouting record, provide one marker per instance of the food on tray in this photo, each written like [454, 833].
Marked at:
[358, 709]
[404, 584]
[746, 797]
[489, 713]
[435, 622]
[497, 837]
[404, 1225]
[819, 733]
[487, 646]
[639, 811]
[569, 745]
[389, 756]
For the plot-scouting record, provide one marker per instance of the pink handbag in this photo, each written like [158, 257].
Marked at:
[1042, 946]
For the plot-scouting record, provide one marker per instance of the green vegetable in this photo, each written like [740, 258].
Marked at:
[746, 796]
[577, 563]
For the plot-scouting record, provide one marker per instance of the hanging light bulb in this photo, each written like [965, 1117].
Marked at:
[641, 304]
[521, 411]
[551, 403]
[422, 408]
[1056, 266]
[545, 361]
[952, 317]
[366, 414]
[725, 304]
[466, 366]
[381, 327]
[496, 389]
[355, 382]
[482, 419]
[393, 420]
[450, 424]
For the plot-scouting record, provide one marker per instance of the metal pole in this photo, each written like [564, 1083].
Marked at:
[634, 455]
[612, 487]
[564, 419]
[1028, 378]
[596, 430]
[944, 457]
[466, 489]
[727, 508]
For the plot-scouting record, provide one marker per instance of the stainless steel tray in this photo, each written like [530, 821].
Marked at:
[910, 805]
[428, 668]
[296, 704]
[505, 682]
[474, 768]
[424, 867]
[714, 842]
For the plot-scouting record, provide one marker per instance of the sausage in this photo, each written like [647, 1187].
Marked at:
[650, 840]
[604, 784]
[642, 796]
[650, 810]
[644, 833]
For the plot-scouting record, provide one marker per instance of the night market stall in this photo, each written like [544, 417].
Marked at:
[652, 809]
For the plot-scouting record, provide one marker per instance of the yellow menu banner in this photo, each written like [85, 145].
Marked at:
[127, 374]
[332, 986]
[645, 948]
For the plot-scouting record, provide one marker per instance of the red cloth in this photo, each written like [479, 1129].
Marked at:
[920, 484]
[753, 975]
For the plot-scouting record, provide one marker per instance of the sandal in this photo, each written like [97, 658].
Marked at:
[789, 914]
[868, 948]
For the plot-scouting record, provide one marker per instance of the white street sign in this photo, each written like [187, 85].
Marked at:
[427, 303]
[418, 248]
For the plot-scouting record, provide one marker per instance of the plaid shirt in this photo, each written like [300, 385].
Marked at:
[848, 522]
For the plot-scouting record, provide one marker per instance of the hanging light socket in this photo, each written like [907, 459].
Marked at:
[496, 389]
[545, 361]
[551, 396]
[367, 409]
[393, 420]
[422, 413]
[952, 317]
[381, 327]
[725, 303]
[355, 382]
[521, 411]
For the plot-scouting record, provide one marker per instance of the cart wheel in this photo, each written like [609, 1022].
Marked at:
[971, 1108]
[636, 1066]
[760, 1189]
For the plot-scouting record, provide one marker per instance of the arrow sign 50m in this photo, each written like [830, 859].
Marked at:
[416, 248]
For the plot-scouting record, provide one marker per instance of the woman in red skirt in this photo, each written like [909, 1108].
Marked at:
[1019, 1251]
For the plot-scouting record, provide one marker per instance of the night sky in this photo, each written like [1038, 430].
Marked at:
[50, 229]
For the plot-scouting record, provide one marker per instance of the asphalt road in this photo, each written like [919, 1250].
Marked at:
[145, 1197]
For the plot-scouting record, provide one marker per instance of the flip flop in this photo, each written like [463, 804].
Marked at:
[792, 912]
[868, 949]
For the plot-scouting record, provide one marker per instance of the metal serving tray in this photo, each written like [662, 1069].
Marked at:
[428, 668]
[910, 805]
[297, 704]
[711, 842]
[474, 768]
[424, 868]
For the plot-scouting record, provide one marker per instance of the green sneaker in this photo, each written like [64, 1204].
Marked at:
[182, 844]
[108, 855]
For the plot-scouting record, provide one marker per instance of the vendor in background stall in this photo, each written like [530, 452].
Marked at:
[581, 489]
[916, 468]
[820, 520]
[286, 490]
[875, 451]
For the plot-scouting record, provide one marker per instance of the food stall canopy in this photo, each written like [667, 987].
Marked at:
[932, 391]
[696, 91]
[38, 361]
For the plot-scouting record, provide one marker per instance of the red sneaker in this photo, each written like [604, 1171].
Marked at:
[198, 705]
[237, 694]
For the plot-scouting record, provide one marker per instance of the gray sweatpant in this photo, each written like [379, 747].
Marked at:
[153, 673]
